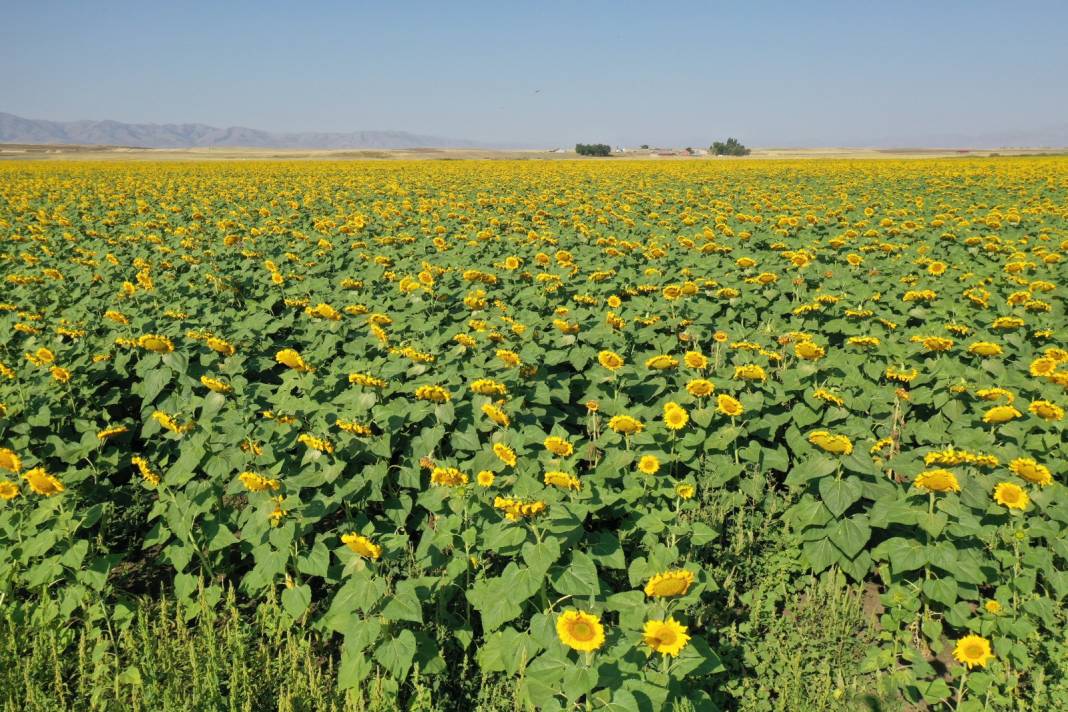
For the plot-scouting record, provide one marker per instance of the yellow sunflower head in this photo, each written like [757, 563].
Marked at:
[648, 464]
[729, 406]
[362, 545]
[940, 480]
[580, 631]
[667, 637]
[675, 582]
[973, 650]
[1011, 495]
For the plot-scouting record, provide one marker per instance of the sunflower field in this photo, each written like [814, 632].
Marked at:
[517, 422]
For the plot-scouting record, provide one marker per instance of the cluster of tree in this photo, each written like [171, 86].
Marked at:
[593, 149]
[730, 147]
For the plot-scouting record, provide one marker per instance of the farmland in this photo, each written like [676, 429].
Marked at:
[603, 435]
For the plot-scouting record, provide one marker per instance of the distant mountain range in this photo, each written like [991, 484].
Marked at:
[1055, 136]
[15, 129]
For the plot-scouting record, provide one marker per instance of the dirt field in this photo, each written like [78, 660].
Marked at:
[55, 152]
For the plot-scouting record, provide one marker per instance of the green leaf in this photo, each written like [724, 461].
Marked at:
[296, 600]
[396, 654]
[933, 522]
[820, 554]
[405, 604]
[838, 495]
[905, 555]
[810, 469]
[850, 535]
[579, 578]
[942, 590]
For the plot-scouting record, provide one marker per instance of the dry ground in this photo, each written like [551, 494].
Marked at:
[39, 152]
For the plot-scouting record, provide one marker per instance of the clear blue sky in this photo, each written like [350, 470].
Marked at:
[770, 73]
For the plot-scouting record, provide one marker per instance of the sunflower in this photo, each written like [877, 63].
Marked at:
[1028, 469]
[366, 380]
[485, 478]
[864, 341]
[625, 424]
[10, 460]
[985, 348]
[509, 358]
[992, 607]
[696, 360]
[750, 372]
[155, 342]
[1042, 367]
[700, 388]
[649, 464]
[145, 469]
[221, 346]
[830, 442]
[314, 443]
[42, 483]
[168, 422]
[993, 394]
[558, 446]
[323, 311]
[610, 360]
[1046, 410]
[729, 406]
[562, 480]
[939, 480]
[258, 483]
[433, 394]
[972, 650]
[675, 416]
[661, 362]
[111, 432]
[495, 414]
[1001, 414]
[1011, 495]
[505, 454]
[580, 631]
[685, 490]
[489, 387]
[675, 582]
[826, 396]
[808, 351]
[448, 477]
[293, 359]
[668, 637]
[515, 510]
[357, 429]
[215, 384]
[362, 545]
[9, 490]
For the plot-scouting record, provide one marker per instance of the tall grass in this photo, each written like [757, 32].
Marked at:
[788, 642]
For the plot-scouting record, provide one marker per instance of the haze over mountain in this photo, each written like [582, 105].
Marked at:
[16, 129]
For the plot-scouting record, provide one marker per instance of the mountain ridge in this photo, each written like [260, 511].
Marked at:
[107, 132]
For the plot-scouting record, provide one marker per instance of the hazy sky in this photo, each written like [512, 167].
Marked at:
[546, 73]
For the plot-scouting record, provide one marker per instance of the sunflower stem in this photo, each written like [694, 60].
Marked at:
[960, 689]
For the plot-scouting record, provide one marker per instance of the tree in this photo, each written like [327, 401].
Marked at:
[645, 146]
[593, 149]
[730, 147]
